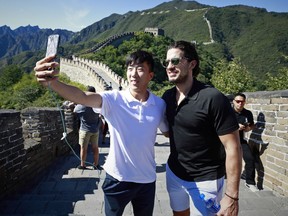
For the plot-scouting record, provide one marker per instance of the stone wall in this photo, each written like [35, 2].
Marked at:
[110, 73]
[81, 70]
[270, 138]
[30, 141]
[82, 73]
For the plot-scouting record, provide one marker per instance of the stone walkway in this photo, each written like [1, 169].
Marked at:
[65, 190]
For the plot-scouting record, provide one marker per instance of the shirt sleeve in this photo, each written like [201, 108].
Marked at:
[223, 116]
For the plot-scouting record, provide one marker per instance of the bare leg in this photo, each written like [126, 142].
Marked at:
[182, 213]
[95, 150]
[83, 155]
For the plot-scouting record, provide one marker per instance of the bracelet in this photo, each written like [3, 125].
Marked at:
[233, 198]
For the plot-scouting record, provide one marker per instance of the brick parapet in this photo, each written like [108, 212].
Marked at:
[85, 71]
[270, 111]
[30, 140]
[82, 73]
[114, 76]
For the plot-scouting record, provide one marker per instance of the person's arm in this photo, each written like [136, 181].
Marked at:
[249, 127]
[229, 203]
[47, 77]
[250, 122]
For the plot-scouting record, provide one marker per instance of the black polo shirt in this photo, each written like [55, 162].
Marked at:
[245, 116]
[197, 153]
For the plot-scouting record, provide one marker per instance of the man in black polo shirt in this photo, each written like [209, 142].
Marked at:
[246, 123]
[201, 119]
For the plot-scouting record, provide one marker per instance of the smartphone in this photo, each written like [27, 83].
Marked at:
[52, 44]
[246, 124]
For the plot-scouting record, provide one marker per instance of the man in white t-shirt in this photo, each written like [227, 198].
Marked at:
[133, 116]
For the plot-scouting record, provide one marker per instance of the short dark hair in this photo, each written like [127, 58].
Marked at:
[189, 52]
[140, 56]
[91, 89]
[240, 94]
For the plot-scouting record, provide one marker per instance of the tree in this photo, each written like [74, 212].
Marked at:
[280, 82]
[10, 75]
[232, 77]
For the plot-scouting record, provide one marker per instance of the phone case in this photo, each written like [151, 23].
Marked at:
[52, 45]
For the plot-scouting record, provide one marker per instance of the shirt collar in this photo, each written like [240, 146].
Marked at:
[130, 98]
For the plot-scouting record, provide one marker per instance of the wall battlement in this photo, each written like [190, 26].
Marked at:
[92, 73]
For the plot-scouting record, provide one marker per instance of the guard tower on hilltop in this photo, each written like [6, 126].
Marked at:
[155, 31]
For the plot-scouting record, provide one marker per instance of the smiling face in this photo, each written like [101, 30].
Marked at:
[139, 76]
[181, 70]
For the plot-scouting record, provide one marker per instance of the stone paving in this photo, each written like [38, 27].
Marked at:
[65, 190]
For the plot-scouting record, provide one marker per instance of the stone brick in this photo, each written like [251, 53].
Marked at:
[282, 135]
[283, 128]
[279, 100]
[282, 121]
[279, 170]
[282, 114]
[283, 107]
[258, 100]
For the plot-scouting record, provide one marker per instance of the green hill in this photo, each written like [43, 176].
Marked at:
[257, 37]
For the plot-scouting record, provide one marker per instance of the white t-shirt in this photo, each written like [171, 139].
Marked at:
[133, 129]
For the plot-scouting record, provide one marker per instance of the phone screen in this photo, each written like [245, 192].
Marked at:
[52, 44]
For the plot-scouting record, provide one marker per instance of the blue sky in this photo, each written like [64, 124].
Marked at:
[75, 15]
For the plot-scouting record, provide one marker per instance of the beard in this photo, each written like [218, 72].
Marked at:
[181, 78]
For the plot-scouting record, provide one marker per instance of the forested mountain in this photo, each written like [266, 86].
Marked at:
[257, 37]
[29, 38]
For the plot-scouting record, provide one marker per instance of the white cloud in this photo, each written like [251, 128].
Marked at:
[76, 17]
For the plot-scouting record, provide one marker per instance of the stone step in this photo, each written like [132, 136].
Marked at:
[37, 207]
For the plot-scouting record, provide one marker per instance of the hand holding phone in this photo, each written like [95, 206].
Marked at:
[52, 47]
[246, 124]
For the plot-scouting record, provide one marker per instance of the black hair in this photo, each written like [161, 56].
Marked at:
[189, 52]
[240, 94]
[91, 89]
[139, 57]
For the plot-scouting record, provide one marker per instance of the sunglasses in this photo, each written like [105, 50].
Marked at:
[239, 101]
[174, 61]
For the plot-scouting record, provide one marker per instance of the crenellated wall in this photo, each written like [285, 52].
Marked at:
[99, 65]
[90, 72]
[30, 141]
[114, 40]
[82, 73]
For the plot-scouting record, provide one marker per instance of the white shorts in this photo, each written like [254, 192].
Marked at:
[185, 193]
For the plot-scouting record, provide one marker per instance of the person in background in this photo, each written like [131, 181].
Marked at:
[120, 84]
[202, 128]
[105, 129]
[88, 132]
[246, 123]
[68, 105]
[133, 115]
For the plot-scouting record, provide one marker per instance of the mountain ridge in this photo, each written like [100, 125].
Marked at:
[254, 35]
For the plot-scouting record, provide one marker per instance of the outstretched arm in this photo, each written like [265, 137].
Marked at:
[46, 74]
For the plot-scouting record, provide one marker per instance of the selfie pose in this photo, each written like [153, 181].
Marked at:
[133, 116]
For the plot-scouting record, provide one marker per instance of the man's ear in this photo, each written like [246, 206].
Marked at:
[151, 75]
[193, 64]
